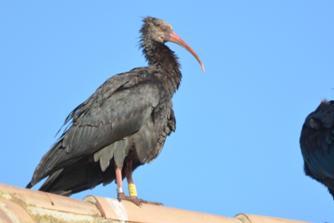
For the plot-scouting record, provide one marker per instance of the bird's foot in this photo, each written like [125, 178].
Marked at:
[134, 199]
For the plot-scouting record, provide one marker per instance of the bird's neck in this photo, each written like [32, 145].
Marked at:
[164, 59]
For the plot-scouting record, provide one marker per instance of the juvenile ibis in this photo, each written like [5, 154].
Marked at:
[122, 125]
[317, 145]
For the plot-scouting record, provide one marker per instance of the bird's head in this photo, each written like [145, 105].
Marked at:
[322, 117]
[160, 31]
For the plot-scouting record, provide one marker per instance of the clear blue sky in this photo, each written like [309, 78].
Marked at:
[236, 147]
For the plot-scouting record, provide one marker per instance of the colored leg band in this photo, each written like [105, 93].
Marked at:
[132, 190]
[119, 190]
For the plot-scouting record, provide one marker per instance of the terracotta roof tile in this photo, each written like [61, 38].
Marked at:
[22, 205]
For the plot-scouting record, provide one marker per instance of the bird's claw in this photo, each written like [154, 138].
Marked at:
[137, 201]
[121, 196]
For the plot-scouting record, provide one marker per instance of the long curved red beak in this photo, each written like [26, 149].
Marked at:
[173, 37]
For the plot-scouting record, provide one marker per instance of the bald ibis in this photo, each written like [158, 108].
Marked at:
[121, 126]
[317, 145]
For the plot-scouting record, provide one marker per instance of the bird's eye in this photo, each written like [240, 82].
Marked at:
[161, 38]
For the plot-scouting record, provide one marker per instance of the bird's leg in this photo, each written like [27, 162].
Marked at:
[119, 182]
[120, 193]
[132, 187]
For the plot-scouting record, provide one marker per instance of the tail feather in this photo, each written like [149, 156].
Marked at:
[69, 176]
[29, 185]
[46, 164]
[85, 174]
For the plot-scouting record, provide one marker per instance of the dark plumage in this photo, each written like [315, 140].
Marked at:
[317, 145]
[123, 125]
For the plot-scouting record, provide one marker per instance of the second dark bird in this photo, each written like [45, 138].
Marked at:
[123, 125]
[317, 145]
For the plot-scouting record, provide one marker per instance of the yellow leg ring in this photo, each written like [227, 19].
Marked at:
[132, 190]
